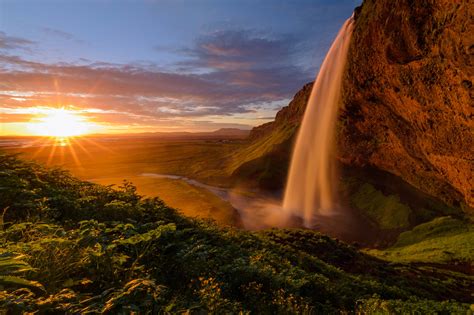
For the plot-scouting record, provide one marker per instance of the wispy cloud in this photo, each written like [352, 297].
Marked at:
[241, 49]
[13, 43]
[227, 73]
[60, 34]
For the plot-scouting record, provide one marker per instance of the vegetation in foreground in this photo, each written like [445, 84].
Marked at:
[77, 247]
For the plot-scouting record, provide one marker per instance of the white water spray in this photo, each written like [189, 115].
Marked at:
[310, 189]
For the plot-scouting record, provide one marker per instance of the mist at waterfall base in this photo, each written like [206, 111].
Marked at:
[311, 198]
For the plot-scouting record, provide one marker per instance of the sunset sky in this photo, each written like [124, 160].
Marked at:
[143, 66]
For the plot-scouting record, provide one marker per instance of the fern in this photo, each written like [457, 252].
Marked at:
[11, 265]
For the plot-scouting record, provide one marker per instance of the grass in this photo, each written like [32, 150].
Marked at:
[263, 163]
[443, 240]
[260, 147]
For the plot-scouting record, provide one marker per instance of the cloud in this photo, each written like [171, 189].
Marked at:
[225, 73]
[60, 34]
[57, 33]
[241, 49]
[12, 42]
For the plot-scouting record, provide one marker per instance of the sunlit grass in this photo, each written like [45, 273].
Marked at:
[190, 200]
[441, 240]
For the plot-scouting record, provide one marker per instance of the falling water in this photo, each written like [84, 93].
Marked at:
[311, 181]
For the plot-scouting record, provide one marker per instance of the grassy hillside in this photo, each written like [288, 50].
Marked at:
[442, 240]
[77, 247]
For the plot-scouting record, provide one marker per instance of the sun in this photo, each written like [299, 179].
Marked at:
[60, 123]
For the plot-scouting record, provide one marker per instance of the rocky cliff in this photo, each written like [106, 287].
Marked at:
[408, 95]
[407, 107]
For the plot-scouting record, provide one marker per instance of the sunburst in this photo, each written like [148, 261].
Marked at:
[60, 123]
[62, 130]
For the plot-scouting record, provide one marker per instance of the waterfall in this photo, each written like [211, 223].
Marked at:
[311, 184]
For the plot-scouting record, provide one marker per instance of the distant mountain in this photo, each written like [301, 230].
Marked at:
[230, 132]
[223, 133]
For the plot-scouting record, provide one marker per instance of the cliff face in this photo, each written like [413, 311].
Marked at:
[288, 115]
[407, 105]
[408, 95]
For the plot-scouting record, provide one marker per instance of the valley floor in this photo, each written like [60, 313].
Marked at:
[111, 160]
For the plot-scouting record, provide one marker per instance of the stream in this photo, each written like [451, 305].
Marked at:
[263, 211]
[256, 212]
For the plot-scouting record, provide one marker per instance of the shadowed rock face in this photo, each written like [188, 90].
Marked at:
[408, 95]
[408, 106]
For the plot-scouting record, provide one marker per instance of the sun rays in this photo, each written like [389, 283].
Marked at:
[67, 150]
[65, 133]
[60, 123]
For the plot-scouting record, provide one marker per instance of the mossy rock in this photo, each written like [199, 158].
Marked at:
[385, 210]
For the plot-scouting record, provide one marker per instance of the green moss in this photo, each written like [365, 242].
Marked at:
[441, 240]
[438, 227]
[386, 211]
